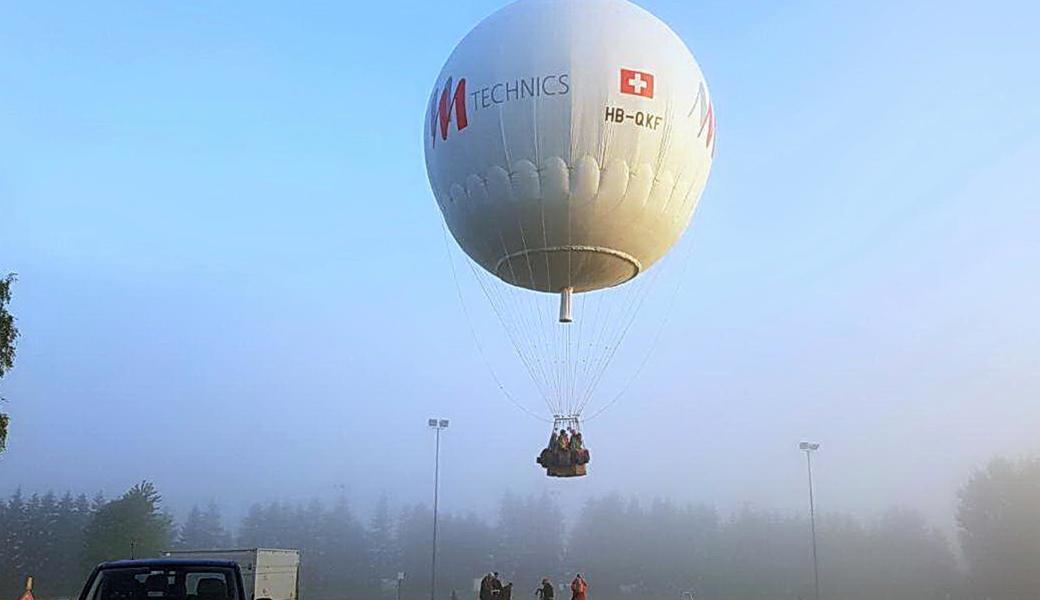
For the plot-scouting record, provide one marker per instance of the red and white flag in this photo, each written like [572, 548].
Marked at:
[637, 83]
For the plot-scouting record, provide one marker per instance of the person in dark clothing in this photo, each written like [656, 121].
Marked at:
[545, 591]
[485, 587]
[496, 586]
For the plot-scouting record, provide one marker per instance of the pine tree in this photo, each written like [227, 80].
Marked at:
[14, 537]
[72, 516]
[7, 572]
[132, 524]
[203, 530]
[251, 531]
[999, 518]
[39, 542]
[344, 548]
[384, 555]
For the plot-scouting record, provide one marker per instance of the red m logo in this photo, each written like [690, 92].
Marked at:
[707, 117]
[441, 110]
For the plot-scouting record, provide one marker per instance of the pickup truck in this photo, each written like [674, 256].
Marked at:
[166, 579]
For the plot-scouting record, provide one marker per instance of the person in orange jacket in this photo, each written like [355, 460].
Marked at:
[579, 587]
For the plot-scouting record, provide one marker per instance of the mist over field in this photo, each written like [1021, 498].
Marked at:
[238, 306]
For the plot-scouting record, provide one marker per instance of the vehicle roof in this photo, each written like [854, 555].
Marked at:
[232, 551]
[167, 562]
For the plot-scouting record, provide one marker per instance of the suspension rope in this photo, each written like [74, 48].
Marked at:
[526, 328]
[487, 287]
[616, 303]
[635, 303]
[686, 260]
[476, 339]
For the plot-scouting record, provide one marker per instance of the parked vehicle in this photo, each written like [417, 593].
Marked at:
[267, 574]
[166, 579]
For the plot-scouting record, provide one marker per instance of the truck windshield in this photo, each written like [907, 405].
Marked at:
[165, 583]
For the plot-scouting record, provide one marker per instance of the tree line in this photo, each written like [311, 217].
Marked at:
[623, 547]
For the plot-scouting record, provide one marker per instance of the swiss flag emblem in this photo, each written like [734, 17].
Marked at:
[637, 83]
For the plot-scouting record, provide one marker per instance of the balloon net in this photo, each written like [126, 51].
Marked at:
[566, 370]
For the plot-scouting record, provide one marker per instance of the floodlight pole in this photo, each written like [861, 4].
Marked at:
[437, 425]
[809, 448]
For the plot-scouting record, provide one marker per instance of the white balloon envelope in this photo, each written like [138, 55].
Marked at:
[567, 143]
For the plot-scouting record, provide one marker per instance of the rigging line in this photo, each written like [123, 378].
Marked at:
[541, 329]
[510, 291]
[536, 341]
[595, 329]
[577, 348]
[492, 287]
[578, 353]
[485, 284]
[657, 338]
[625, 320]
[505, 291]
[586, 347]
[593, 352]
[612, 301]
[553, 332]
[608, 302]
[592, 345]
[540, 332]
[519, 305]
[626, 304]
[500, 303]
[633, 306]
[526, 326]
[473, 332]
[570, 378]
[518, 296]
[593, 355]
[541, 206]
[563, 332]
[569, 366]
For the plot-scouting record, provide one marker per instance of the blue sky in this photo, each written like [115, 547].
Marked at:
[233, 277]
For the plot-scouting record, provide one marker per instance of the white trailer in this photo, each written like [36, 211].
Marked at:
[267, 574]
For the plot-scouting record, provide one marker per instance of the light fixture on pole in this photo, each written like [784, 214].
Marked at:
[809, 448]
[437, 425]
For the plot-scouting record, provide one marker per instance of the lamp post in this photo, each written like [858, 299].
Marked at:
[809, 448]
[437, 425]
